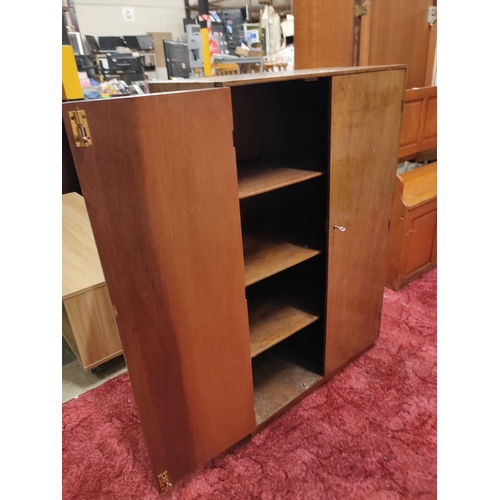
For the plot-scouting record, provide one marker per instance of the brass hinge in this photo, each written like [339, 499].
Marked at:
[360, 10]
[80, 127]
[163, 481]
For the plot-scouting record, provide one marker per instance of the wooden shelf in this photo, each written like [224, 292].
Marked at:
[267, 256]
[274, 320]
[277, 383]
[263, 175]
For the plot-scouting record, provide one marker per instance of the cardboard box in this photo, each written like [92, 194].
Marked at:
[158, 38]
[248, 52]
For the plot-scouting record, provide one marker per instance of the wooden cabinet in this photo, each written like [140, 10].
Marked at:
[346, 32]
[88, 321]
[412, 247]
[214, 211]
[419, 125]
[413, 234]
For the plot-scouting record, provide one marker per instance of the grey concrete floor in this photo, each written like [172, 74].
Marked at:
[77, 381]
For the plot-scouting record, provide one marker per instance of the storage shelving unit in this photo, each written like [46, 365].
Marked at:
[217, 216]
[283, 205]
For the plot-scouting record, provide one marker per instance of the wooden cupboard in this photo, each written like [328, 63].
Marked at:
[324, 33]
[412, 243]
[363, 32]
[242, 230]
[419, 123]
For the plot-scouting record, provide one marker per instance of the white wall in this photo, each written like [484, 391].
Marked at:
[105, 17]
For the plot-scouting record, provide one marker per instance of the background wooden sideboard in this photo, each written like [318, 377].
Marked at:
[343, 33]
[413, 233]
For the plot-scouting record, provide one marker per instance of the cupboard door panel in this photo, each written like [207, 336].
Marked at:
[160, 185]
[391, 22]
[324, 33]
[366, 122]
[419, 128]
[420, 239]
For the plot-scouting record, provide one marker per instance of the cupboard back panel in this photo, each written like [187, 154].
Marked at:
[289, 116]
[297, 212]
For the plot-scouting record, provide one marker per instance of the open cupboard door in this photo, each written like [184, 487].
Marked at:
[366, 121]
[175, 273]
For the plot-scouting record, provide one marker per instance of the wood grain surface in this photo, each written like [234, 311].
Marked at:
[275, 319]
[257, 176]
[266, 255]
[420, 236]
[81, 267]
[419, 128]
[92, 327]
[278, 381]
[413, 234]
[396, 235]
[256, 78]
[165, 215]
[364, 37]
[399, 33]
[420, 185]
[68, 333]
[429, 138]
[323, 33]
[363, 167]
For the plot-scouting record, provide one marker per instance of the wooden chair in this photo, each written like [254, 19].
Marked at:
[271, 66]
[254, 68]
[412, 245]
[226, 69]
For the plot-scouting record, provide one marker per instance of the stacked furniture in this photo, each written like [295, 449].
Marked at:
[243, 231]
[413, 235]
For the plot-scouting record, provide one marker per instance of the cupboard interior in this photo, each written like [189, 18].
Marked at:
[282, 142]
[281, 133]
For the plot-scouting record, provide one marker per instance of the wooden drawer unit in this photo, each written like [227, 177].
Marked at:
[88, 321]
[242, 227]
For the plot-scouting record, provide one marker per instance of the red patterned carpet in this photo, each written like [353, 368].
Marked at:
[369, 433]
